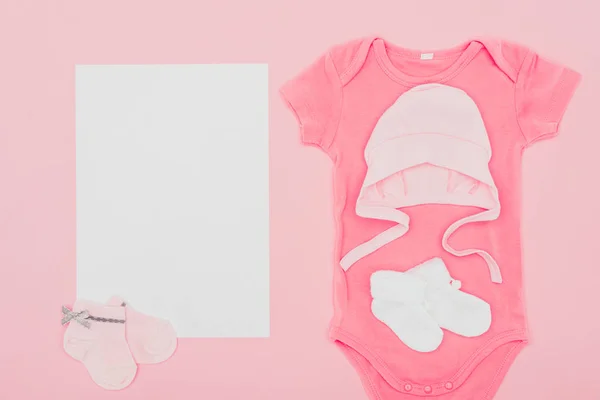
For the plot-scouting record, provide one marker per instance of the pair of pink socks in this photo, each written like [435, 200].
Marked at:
[111, 339]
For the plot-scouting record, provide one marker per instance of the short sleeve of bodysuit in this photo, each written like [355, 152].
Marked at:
[543, 91]
[314, 95]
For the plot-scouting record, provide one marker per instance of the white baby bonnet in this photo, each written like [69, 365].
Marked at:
[429, 147]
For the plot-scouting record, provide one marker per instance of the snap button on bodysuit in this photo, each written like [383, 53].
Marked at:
[408, 387]
[427, 389]
[449, 385]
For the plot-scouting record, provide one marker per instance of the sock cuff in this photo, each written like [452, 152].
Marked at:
[99, 311]
[116, 301]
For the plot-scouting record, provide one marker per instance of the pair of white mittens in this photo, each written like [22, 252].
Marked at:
[417, 304]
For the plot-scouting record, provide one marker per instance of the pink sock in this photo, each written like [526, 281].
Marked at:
[98, 341]
[151, 340]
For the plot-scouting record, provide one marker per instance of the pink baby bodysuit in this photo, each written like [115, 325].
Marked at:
[427, 150]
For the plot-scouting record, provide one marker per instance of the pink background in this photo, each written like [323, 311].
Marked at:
[41, 41]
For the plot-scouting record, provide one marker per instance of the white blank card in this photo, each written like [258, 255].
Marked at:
[172, 193]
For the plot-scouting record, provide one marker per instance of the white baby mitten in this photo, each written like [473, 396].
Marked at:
[453, 309]
[398, 302]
